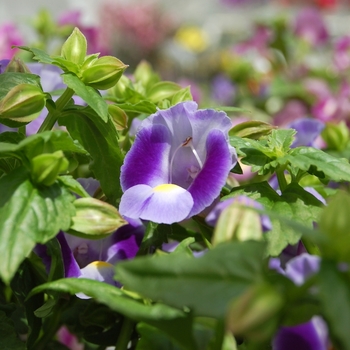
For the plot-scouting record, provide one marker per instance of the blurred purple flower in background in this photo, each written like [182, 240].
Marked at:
[308, 130]
[173, 170]
[223, 90]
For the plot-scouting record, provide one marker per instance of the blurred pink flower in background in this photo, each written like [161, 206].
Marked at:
[310, 26]
[94, 36]
[341, 56]
[68, 339]
[9, 35]
[139, 27]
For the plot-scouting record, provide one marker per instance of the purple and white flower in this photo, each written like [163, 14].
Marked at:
[177, 165]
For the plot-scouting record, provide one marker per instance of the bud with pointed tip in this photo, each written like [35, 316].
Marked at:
[75, 47]
[95, 218]
[255, 313]
[46, 167]
[119, 117]
[103, 73]
[23, 102]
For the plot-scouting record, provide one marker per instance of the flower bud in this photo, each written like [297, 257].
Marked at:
[16, 65]
[95, 218]
[46, 167]
[24, 102]
[119, 117]
[103, 73]
[162, 90]
[119, 90]
[255, 313]
[144, 74]
[75, 47]
[336, 135]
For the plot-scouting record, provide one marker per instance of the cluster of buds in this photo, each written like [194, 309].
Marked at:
[98, 72]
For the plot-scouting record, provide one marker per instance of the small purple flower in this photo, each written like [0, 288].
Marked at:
[310, 26]
[291, 111]
[222, 90]
[311, 335]
[214, 215]
[177, 165]
[308, 130]
[95, 259]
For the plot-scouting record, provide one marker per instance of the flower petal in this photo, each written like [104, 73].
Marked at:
[71, 267]
[305, 336]
[147, 161]
[125, 242]
[166, 203]
[208, 183]
[98, 271]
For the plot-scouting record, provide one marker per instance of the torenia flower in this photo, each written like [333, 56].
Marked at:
[177, 165]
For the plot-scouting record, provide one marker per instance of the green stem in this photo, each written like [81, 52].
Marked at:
[53, 326]
[125, 333]
[281, 179]
[219, 335]
[311, 247]
[52, 117]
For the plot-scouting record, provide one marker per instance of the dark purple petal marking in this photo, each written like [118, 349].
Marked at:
[208, 183]
[148, 159]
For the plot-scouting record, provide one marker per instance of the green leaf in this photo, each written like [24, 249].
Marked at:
[266, 155]
[335, 225]
[175, 323]
[73, 185]
[100, 140]
[39, 55]
[152, 338]
[8, 338]
[253, 129]
[182, 281]
[90, 95]
[29, 215]
[23, 282]
[307, 158]
[45, 142]
[144, 106]
[334, 295]
[295, 204]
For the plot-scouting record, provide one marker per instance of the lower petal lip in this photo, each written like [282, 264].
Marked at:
[165, 203]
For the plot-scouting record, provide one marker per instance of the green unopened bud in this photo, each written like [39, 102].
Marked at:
[95, 218]
[182, 95]
[119, 90]
[103, 73]
[145, 74]
[24, 102]
[75, 47]
[16, 65]
[162, 90]
[237, 222]
[46, 167]
[255, 313]
[119, 117]
[336, 136]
